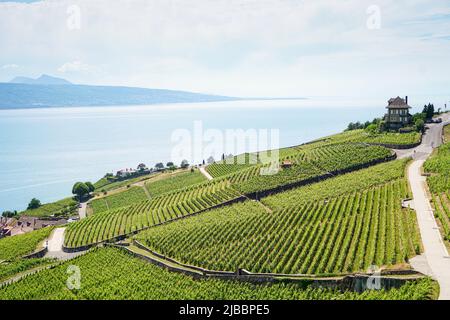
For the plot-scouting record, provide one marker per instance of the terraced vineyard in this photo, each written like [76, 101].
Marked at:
[441, 203]
[174, 182]
[438, 166]
[12, 268]
[314, 163]
[111, 274]
[342, 184]
[119, 200]
[232, 165]
[387, 138]
[390, 138]
[15, 247]
[345, 234]
[113, 223]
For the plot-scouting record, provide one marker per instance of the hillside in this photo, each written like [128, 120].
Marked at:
[334, 212]
[42, 80]
[25, 95]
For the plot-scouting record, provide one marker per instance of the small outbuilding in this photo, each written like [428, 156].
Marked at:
[286, 164]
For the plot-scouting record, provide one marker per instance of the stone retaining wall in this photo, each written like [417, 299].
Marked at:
[354, 282]
[37, 254]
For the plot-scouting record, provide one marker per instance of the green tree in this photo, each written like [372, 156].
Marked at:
[372, 129]
[90, 186]
[34, 204]
[420, 115]
[184, 164]
[80, 189]
[159, 166]
[428, 110]
[9, 214]
[169, 164]
[420, 125]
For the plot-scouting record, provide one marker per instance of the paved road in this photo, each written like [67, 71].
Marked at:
[54, 245]
[435, 252]
[205, 173]
[82, 210]
[431, 139]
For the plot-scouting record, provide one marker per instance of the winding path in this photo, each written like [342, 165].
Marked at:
[55, 244]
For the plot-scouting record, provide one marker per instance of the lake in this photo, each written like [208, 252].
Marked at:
[44, 151]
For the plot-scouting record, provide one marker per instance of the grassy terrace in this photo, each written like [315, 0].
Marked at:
[125, 277]
[62, 207]
[345, 234]
[106, 185]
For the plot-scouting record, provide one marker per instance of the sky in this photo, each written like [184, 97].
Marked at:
[246, 48]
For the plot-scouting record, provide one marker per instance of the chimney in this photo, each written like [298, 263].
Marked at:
[406, 100]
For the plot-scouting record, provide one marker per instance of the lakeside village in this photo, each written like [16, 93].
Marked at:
[37, 216]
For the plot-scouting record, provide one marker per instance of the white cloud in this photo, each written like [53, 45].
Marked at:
[75, 66]
[235, 47]
[10, 66]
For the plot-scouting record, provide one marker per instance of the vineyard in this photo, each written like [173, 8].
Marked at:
[342, 184]
[232, 165]
[174, 182]
[313, 163]
[446, 134]
[104, 184]
[441, 203]
[15, 247]
[109, 224]
[386, 138]
[438, 165]
[345, 234]
[390, 138]
[9, 269]
[118, 200]
[125, 277]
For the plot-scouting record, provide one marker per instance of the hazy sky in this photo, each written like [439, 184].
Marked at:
[233, 47]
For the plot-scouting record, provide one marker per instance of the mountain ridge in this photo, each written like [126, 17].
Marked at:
[44, 79]
[26, 96]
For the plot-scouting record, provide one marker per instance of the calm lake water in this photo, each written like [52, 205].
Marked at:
[44, 151]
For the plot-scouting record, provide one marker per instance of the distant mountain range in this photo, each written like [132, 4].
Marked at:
[43, 80]
[47, 91]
